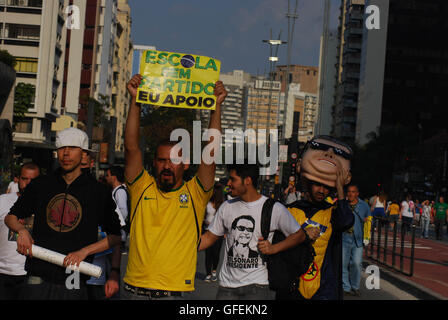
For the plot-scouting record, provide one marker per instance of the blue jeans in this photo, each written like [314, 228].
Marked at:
[351, 263]
[425, 226]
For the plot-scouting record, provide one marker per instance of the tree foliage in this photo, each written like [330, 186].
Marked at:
[7, 58]
[101, 109]
[23, 99]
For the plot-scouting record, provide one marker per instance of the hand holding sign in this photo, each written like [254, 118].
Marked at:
[220, 92]
[133, 85]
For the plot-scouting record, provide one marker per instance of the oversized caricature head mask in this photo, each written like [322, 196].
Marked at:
[322, 157]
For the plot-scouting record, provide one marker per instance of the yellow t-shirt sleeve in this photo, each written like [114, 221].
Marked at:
[137, 186]
[200, 196]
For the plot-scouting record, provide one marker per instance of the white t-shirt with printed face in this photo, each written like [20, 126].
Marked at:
[240, 221]
[11, 262]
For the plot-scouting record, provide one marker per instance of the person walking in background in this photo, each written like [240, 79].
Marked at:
[212, 253]
[12, 263]
[13, 186]
[418, 211]
[406, 214]
[378, 208]
[291, 194]
[352, 243]
[440, 216]
[425, 219]
[115, 179]
[379, 205]
[393, 212]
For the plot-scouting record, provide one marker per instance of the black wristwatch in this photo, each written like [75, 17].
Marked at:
[117, 270]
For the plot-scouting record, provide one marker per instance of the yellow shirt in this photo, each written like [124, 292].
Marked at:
[163, 238]
[394, 209]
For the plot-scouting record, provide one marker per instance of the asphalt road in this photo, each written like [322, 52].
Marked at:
[207, 290]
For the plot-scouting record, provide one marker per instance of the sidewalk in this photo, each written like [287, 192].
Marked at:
[430, 274]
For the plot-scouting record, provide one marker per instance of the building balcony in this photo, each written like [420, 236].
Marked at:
[22, 3]
[354, 45]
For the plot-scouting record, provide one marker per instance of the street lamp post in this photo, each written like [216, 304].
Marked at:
[273, 58]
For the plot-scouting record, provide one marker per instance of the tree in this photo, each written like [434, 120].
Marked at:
[23, 99]
[7, 58]
[101, 108]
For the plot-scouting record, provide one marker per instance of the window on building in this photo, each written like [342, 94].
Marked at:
[22, 31]
[26, 64]
[23, 125]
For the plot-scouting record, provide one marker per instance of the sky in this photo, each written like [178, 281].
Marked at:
[232, 30]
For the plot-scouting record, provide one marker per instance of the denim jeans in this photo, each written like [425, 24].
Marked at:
[425, 226]
[351, 263]
[250, 292]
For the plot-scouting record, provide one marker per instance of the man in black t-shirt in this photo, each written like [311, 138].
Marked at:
[68, 207]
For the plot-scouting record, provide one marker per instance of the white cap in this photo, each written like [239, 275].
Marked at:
[72, 137]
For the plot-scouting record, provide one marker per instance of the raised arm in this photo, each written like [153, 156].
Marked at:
[206, 172]
[133, 154]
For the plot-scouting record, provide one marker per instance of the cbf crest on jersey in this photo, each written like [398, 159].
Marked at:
[183, 200]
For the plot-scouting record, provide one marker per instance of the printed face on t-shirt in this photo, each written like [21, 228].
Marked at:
[244, 231]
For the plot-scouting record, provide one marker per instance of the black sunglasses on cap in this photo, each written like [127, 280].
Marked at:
[324, 147]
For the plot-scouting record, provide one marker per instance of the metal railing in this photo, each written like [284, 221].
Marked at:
[378, 249]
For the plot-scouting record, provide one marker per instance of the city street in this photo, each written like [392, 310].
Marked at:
[207, 290]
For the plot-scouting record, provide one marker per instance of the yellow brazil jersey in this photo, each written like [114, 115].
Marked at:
[163, 238]
[310, 281]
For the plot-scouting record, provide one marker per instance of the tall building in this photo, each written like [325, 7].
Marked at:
[233, 110]
[302, 106]
[265, 104]
[327, 83]
[408, 47]
[371, 85]
[303, 88]
[82, 59]
[350, 33]
[33, 31]
[98, 65]
[305, 75]
[122, 69]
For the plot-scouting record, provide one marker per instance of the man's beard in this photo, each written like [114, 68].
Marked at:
[164, 185]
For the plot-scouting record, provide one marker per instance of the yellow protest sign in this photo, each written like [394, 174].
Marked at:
[178, 80]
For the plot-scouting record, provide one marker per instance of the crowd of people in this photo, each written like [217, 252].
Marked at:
[167, 221]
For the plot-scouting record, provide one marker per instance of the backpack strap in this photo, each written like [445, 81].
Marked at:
[266, 215]
[195, 218]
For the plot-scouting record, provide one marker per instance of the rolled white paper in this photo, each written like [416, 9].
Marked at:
[58, 259]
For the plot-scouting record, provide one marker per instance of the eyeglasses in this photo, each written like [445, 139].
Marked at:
[242, 228]
[324, 147]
